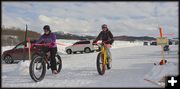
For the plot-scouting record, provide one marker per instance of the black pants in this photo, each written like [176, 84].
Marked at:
[53, 52]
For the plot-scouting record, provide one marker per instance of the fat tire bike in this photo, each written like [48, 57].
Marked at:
[104, 59]
[39, 63]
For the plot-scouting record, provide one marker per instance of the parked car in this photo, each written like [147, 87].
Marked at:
[166, 48]
[145, 43]
[82, 46]
[19, 52]
[153, 43]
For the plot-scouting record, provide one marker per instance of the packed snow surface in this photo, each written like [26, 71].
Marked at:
[131, 64]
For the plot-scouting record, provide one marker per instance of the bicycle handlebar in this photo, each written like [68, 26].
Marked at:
[42, 45]
[101, 42]
[47, 44]
[104, 43]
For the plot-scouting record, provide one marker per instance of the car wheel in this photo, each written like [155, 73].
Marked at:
[68, 51]
[87, 50]
[8, 59]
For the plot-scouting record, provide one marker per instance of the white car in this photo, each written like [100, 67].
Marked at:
[82, 46]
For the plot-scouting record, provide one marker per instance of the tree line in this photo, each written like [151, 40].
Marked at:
[14, 35]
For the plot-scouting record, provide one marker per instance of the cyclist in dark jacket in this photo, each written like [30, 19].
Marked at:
[50, 38]
[105, 35]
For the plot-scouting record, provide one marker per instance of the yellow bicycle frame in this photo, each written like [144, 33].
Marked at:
[104, 51]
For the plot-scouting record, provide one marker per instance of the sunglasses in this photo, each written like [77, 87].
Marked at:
[46, 30]
[104, 27]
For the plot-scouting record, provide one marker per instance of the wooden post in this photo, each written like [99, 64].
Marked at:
[29, 48]
[162, 46]
[163, 58]
[25, 44]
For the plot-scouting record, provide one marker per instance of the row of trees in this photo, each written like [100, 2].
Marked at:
[13, 35]
[61, 35]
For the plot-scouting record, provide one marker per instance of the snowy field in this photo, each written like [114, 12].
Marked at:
[132, 63]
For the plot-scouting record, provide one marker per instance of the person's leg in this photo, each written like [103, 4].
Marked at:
[109, 59]
[53, 52]
[109, 53]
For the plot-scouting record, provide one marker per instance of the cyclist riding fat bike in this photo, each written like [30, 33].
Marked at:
[50, 38]
[106, 36]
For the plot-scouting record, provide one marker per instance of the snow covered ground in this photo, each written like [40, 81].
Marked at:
[132, 62]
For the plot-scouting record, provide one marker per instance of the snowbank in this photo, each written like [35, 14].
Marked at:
[159, 72]
[23, 67]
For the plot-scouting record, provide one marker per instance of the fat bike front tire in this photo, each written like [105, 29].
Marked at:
[100, 64]
[37, 69]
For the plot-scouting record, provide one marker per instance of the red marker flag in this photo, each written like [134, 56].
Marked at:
[161, 31]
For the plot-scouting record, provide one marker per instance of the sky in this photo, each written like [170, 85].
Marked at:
[86, 18]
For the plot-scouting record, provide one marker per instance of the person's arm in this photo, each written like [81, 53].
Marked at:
[98, 37]
[110, 35]
[39, 40]
[112, 38]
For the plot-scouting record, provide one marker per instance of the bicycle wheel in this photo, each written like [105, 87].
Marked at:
[37, 68]
[100, 64]
[58, 63]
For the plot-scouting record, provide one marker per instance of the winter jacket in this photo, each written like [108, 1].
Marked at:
[50, 38]
[105, 36]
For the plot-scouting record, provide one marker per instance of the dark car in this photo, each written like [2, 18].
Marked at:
[145, 43]
[19, 52]
[153, 43]
[166, 48]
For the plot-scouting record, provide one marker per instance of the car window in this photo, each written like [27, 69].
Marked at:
[19, 46]
[85, 42]
[76, 43]
[82, 42]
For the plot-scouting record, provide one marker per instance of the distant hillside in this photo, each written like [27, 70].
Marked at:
[132, 38]
[62, 35]
[13, 35]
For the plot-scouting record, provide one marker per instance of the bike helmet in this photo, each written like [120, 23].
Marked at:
[104, 25]
[46, 27]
